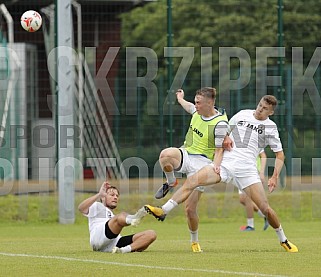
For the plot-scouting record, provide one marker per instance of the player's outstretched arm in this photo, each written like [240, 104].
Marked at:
[84, 205]
[187, 106]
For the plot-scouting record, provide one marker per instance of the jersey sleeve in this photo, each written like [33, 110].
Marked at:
[273, 140]
[232, 122]
[93, 210]
[220, 132]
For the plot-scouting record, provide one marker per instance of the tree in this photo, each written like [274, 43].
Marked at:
[224, 23]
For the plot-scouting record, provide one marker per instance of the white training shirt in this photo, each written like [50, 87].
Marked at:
[98, 214]
[250, 136]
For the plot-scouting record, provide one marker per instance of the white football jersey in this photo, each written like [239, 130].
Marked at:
[98, 213]
[250, 136]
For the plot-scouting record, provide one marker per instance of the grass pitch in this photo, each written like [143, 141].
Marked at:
[39, 246]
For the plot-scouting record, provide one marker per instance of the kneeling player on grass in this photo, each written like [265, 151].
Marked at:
[251, 131]
[105, 227]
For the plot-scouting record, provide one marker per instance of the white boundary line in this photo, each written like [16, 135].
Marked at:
[140, 265]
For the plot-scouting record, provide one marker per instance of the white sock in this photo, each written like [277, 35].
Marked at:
[170, 177]
[260, 213]
[194, 236]
[169, 205]
[129, 218]
[139, 214]
[126, 249]
[279, 231]
[250, 222]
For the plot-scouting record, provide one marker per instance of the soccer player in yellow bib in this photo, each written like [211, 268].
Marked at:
[207, 124]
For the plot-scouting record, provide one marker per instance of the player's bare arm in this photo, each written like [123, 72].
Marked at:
[218, 159]
[187, 106]
[227, 143]
[84, 205]
[279, 161]
[263, 158]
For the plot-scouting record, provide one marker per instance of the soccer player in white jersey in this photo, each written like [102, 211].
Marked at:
[105, 227]
[250, 131]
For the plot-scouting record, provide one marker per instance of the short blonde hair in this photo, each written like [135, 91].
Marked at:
[114, 188]
[207, 92]
[271, 100]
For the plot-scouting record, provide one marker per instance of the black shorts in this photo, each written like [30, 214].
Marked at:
[123, 241]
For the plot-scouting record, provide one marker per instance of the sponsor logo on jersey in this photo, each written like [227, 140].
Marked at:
[195, 130]
[257, 128]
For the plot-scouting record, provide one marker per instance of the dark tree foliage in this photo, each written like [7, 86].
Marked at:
[216, 24]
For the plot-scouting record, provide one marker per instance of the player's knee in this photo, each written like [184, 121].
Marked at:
[266, 210]
[121, 217]
[165, 153]
[151, 235]
[242, 201]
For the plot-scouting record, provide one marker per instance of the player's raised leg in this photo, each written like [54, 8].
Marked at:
[169, 159]
[205, 176]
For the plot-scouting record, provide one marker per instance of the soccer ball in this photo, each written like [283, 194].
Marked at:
[31, 21]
